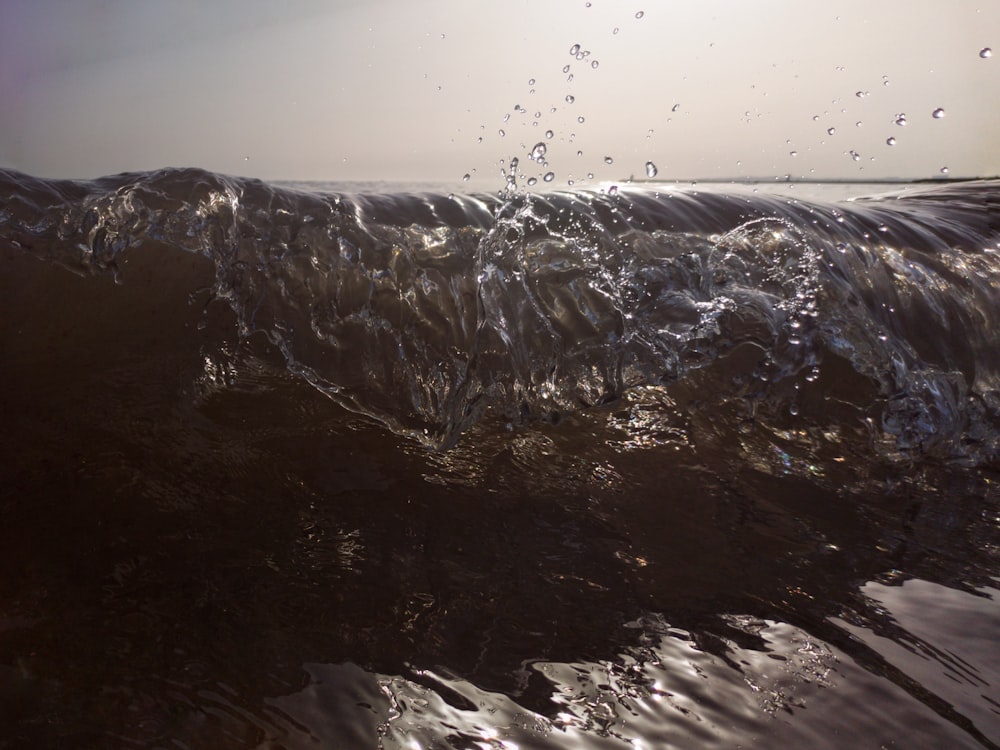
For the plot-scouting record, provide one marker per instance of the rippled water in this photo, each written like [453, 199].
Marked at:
[690, 467]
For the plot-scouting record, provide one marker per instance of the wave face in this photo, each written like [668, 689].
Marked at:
[427, 311]
[647, 467]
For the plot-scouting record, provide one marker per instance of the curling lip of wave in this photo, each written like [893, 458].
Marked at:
[425, 311]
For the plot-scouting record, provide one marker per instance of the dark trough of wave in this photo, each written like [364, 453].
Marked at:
[563, 470]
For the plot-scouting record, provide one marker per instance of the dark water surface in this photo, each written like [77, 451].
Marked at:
[688, 468]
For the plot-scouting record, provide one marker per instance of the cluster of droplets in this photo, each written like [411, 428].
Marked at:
[540, 151]
[899, 119]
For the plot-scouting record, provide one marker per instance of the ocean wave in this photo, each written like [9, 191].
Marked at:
[432, 312]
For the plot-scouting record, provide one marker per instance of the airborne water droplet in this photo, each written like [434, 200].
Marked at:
[938, 113]
[855, 155]
[501, 132]
[831, 131]
[890, 141]
[651, 170]
[594, 64]
[944, 170]
[549, 176]
[574, 50]
[570, 98]
[608, 160]
[900, 119]
[549, 134]
[532, 181]
[985, 52]
[466, 177]
[538, 152]
[640, 14]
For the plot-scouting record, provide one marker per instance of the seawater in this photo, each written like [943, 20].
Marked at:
[293, 465]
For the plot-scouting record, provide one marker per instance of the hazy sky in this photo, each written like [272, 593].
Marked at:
[405, 90]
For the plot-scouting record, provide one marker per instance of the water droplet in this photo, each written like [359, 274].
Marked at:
[675, 107]
[595, 64]
[570, 98]
[506, 117]
[608, 160]
[794, 410]
[793, 153]
[513, 164]
[538, 152]
[580, 118]
[615, 31]
[861, 94]
[532, 181]
[900, 119]
[651, 170]
[944, 170]
[531, 81]
[590, 175]
[565, 68]
[549, 133]
[890, 141]
[466, 177]
[831, 131]
[855, 155]
[857, 124]
[985, 52]
[613, 190]
[640, 14]
[501, 132]
[574, 50]
[549, 176]
[938, 113]
[579, 153]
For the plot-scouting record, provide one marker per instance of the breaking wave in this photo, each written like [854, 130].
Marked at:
[431, 312]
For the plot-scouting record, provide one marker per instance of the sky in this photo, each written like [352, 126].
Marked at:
[439, 89]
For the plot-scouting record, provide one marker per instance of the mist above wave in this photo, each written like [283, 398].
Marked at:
[429, 312]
